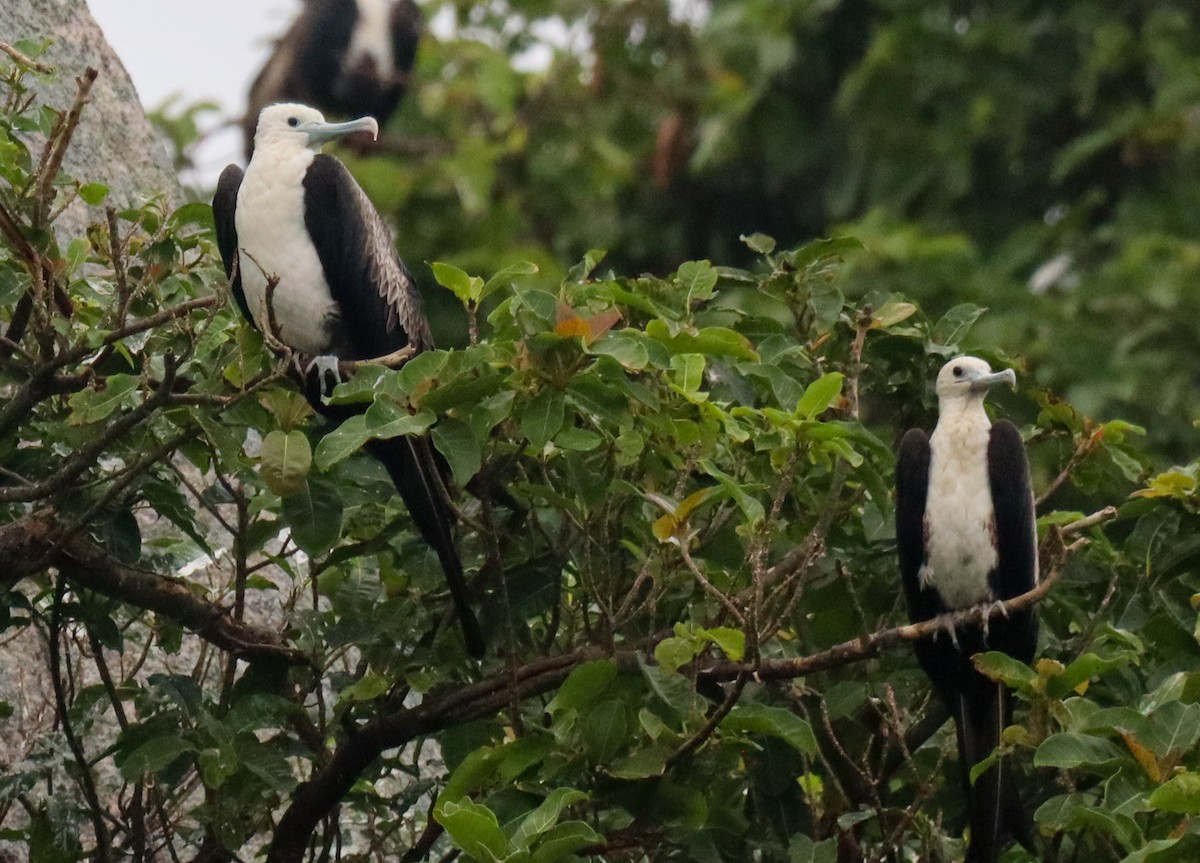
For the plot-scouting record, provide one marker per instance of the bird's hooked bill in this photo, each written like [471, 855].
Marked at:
[320, 131]
[1004, 376]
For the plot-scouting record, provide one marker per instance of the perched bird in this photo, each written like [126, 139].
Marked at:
[966, 536]
[342, 292]
[346, 57]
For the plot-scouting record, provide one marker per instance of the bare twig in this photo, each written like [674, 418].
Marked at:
[705, 731]
[59, 141]
[709, 586]
[87, 782]
[85, 456]
[1085, 446]
[25, 60]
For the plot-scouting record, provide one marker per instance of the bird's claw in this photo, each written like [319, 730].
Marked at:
[952, 632]
[993, 608]
[324, 365]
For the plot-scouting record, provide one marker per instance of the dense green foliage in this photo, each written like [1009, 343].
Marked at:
[682, 536]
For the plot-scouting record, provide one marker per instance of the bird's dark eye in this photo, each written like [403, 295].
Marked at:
[958, 372]
[293, 122]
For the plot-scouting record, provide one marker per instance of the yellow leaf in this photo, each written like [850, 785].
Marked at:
[1143, 756]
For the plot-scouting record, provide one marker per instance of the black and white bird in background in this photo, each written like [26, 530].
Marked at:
[966, 536]
[345, 57]
[341, 292]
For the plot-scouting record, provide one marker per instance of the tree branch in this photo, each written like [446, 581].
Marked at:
[87, 566]
[315, 798]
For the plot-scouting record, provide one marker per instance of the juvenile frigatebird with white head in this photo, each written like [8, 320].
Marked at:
[966, 536]
[341, 292]
[346, 57]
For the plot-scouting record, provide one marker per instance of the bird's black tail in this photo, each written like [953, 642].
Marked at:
[994, 806]
[414, 470]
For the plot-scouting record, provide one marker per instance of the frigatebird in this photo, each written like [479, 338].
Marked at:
[345, 57]
[966, 536]
[341, 292]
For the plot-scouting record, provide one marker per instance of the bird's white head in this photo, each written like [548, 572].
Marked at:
[298, 126]
[969, 378]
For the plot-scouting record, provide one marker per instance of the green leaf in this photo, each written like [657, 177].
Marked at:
[560, 842]
[216, 765]
[466, 287]
[546, 815]
[674, 653]
[89, 406]
[775, 721]
[154, 755]
[760, 243]
[623, 347]
[314, 515]
[583, 685]
[696, 279]
[607, 729]
[505, 276]
[1002, 667]
[474, 829]
[955, 324]
[891, 314]
[94, 193]
[543, 417]
[1174, 727]
[804, 850]
[1068, 750]
[688, 370]
[1154, 846]
[642, 764]
[1083, 669]
[342, 442]
[710, 341]
[1179, 794]
[388, 419]
[581, 271]
[456, 440]
[731, 641]
[368, 687]
[286, 459]
[196, 213]
[820, 252]
[819, 395]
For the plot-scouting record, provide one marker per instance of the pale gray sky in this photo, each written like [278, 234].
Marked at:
[206, 50]
[209, 50]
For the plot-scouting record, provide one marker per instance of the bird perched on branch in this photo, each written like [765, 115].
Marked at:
[346, 57]
[966, 536]
[297, 230]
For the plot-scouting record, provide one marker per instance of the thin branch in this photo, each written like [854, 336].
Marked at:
[709, 586]
[60, 140]
[26, 60]
[1085, 446]
[705, 731]
[87, 782]
[86, 455]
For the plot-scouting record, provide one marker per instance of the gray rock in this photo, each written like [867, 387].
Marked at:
[115, 143]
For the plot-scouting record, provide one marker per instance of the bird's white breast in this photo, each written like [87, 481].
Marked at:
[959, 519]
[372, 37]
[273, 241]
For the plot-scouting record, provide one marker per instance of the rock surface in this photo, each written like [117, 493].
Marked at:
[115, 143]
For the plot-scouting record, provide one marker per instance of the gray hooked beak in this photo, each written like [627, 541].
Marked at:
[321, 132]
[986, 382]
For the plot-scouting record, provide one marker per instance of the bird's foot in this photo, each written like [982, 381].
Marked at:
[952, 632]
[325, 365]
[992, 609]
